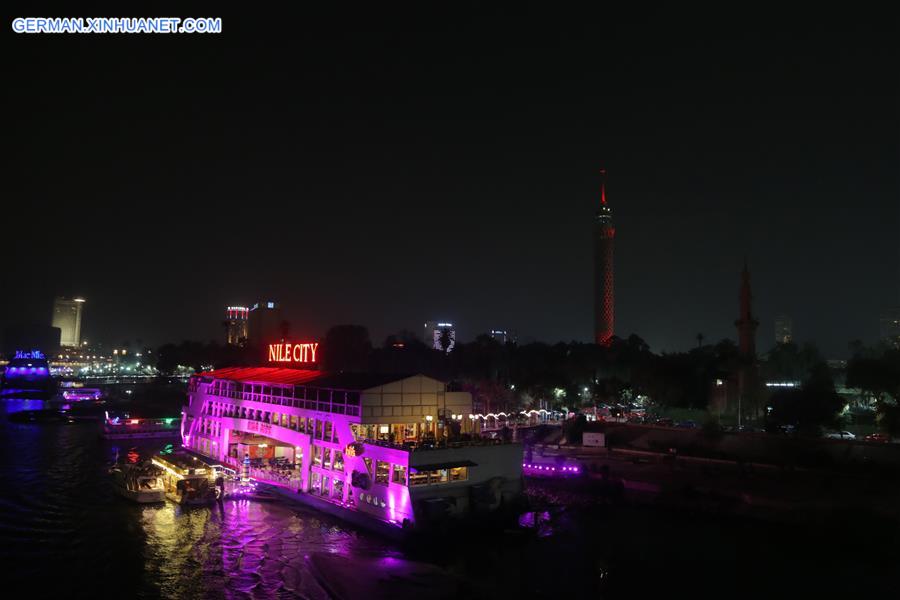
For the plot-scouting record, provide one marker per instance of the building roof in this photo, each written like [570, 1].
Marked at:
[277, 375]
[264, 374]
[358, 381]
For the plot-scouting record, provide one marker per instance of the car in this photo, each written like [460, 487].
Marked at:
[687, 425]
[839, 435]
[664, 422]
[878, 437]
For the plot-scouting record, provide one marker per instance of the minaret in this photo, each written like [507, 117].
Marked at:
[746, 324]
[748, 376]
[604, 274]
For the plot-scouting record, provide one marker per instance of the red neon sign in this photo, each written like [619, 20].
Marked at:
[293, 353]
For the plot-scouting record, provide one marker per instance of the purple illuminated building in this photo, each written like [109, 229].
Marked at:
[383, 448]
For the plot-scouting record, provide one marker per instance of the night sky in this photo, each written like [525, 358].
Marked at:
[389, 168]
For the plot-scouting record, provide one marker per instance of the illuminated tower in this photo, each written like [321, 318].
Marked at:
[604, 274]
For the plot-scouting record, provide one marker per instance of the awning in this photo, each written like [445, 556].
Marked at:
[443, 465]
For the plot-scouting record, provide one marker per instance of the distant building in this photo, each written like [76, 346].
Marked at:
[890, 327]
[67, 316]
[236, 325]
[784, 329]
[434, 330]
[264, 323]
[503, 336]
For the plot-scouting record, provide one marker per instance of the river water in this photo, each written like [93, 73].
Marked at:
[63, 530]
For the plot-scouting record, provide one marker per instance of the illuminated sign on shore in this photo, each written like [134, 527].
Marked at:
[293, 353]
[37, 354]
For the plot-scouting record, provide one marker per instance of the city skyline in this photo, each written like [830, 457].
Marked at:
[456, 175]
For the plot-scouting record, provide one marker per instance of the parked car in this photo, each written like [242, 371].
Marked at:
[839, 435]
[664, 422]
[878, 437]
[687, 424]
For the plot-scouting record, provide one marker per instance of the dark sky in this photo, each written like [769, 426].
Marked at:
[388, 168]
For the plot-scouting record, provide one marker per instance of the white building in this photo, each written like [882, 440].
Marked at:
[67, 316]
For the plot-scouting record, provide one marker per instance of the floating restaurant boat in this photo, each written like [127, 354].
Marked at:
[402, 451]
[139, 482]
[187, 480]
[27, 373]
[125, 427]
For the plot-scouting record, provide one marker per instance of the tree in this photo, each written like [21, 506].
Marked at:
[814, 405]
[346, 348]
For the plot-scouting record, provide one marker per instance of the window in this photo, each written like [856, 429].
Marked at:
[368, 462]
[317, 455]
[399, 474]
[459, 473]
[326, 488]
[315, 484]
[439, 476]
[382, 471]
[328, 431]
[338, 460]
[326, 461]
[418, 478]
[318, 430]
[338, 491]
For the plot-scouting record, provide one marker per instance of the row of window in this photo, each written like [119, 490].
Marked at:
[233, 389]
[326, 486]
[328, 458]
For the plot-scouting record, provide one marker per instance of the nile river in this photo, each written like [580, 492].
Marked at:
[64, 531]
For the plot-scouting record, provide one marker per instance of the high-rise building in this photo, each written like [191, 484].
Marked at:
[67, 316]
[890, 327]
[236, 325]
[784, 329]
[503, 336]
[264, 323]
[604, 274]
[434, 335]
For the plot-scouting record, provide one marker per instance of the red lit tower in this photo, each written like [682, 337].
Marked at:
[604, 274]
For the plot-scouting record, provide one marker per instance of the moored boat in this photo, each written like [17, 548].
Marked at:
[126, 427]
[187, 480]
[139, 482]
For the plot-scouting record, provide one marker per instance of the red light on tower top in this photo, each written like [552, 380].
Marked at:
[603, 187]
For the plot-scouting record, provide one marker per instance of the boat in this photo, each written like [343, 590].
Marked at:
[395, 453]
[251, 491]
[139, 482]
[125, 427]
[27, 374]
[187, 480]
[82, 394]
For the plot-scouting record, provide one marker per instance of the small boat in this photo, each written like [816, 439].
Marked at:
[139, 482]
[188, 481]
[250, 491]
[123, 427]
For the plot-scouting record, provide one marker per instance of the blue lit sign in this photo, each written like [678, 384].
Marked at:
[32, 354]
